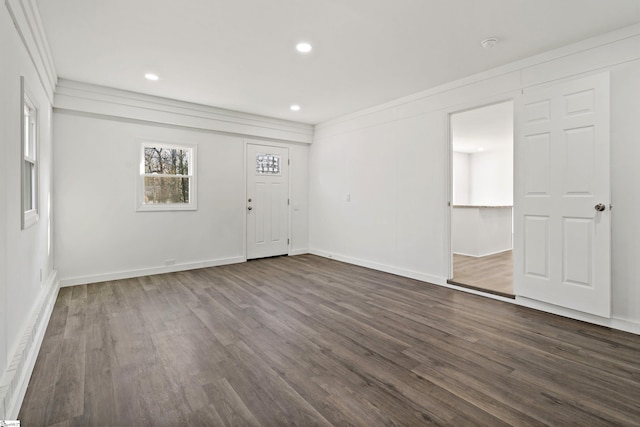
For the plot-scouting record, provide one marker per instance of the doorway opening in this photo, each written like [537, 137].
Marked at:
[481, 215]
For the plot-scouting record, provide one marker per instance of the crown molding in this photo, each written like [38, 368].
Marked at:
[105, 101]
[620, 35]
[26, 18]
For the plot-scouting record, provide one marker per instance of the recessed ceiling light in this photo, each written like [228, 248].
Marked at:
[151, 76]
[480, 149]
[304, 47]
[295, 107]
[489, 43]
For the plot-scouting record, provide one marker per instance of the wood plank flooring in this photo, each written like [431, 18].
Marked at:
[309, 341]
[492, 273]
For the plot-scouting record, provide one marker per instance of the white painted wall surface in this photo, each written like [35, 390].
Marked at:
[24, 254]
[461, 178]
[99, 234]
[491, 178]
[394, 218]
[484, 179]
[481, 231]
[393, 160]
[625, 185]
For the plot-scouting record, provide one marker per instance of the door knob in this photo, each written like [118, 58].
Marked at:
[249, 208]
[600, 207]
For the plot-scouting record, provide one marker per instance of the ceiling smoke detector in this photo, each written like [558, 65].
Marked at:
[489, 43]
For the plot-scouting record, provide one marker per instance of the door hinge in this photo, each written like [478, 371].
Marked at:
[288, 202]
[289, 162]
[288, 241]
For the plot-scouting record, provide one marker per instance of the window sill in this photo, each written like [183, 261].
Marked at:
[166, 208]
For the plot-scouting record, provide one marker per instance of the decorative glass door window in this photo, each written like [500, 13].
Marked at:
[267, 164]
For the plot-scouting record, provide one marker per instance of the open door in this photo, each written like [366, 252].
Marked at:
[562, 210]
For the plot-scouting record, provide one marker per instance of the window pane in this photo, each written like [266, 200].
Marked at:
[267, 164]
[166, 190]
[28, 186]
[169, 161]
[27, 125]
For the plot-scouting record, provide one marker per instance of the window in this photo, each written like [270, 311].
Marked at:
[29, 166]
[267, 164]
[167, 177]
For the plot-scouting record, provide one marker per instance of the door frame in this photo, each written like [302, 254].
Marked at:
[461, 108]
[264, 143]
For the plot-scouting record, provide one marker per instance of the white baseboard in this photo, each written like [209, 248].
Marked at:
[83, 280]
[434, 280]
[15, 379]
[381, 267]
[614, 323]
[483, 255]
[298, 252]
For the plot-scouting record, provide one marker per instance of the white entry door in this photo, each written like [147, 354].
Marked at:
[562, 210]
[267, 201]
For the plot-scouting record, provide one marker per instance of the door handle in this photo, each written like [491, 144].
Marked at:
[600, 207]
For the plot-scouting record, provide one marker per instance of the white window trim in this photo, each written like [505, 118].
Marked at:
[30, 217]
[193, 187]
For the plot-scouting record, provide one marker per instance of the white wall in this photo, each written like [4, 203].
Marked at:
[393, 160]
[395, 172]
[100, 236]
[27, 276]
[461, 164]
[491, 177]
[481, 231]
[483, 179]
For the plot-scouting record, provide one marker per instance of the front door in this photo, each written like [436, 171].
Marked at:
[563, 218]
[267, 201]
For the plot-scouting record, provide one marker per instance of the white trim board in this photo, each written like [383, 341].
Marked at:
[15, 379]
[101, 100]
[26, 19]
[428, 279]
[129, 274]
[381, 267]
[483, 255]
[614, 322]
[294, 252]
[580, 58]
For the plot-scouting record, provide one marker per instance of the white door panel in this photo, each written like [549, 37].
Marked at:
[267, 201]
[562, 242]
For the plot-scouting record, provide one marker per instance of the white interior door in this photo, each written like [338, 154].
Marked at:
[562, 210]
[267, 201]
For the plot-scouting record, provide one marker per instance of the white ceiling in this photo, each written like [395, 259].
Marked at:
[483, 129]
[239, 54]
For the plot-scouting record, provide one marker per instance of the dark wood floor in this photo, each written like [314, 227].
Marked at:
[492, 273]
[309, 341]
